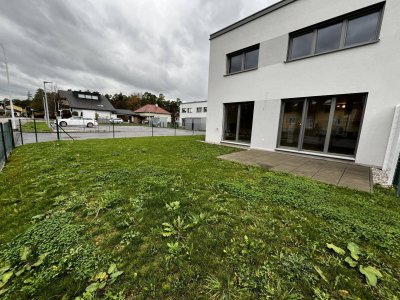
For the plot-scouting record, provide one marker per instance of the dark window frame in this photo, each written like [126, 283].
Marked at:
[183, 110]
[189, 110]
[344, 19]
[242, 53]
[199, 109]
[205, 109]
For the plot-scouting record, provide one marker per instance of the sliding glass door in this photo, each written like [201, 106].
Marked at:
[329, 124]
[238, 122]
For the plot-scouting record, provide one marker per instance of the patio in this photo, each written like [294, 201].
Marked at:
[329, 171]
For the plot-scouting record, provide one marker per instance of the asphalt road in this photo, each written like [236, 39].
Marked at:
[103, 132]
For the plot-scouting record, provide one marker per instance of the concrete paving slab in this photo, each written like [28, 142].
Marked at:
[320, 169]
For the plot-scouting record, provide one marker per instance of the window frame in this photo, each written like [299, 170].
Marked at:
[344, 19]
[205, 109]
[189, 110]
[199, 109]
[184, 110]
[242, 53]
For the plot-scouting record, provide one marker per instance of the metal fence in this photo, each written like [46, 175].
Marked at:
[7, 142]
[37, 130]
[396, 177]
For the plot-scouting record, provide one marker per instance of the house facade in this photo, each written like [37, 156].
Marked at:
[193, 115]
[86, 104]
[152, 113]
[314, 77]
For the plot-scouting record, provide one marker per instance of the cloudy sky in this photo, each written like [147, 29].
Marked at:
[114, 46]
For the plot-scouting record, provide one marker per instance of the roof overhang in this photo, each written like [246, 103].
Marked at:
[257, 15]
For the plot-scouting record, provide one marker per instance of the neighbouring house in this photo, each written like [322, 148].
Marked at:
[18, 111]
[85, 104]
[152, 113]
[193, 115]
[125, 114]
[314, 77]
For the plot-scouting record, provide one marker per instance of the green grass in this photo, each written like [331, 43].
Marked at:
[182, 224]
[40, 127]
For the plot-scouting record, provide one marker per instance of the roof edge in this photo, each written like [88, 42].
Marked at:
[252, 17]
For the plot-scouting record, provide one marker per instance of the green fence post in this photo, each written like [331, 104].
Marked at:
[34, 125]
[4, 142]
[20, 130]
[12, 134]
[58, 130]
[175, 127]
[113, 130]
[152, 132]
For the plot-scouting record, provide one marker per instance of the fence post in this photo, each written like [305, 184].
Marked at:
[175, 127]
[12, 134]
[151, 123]
[20, 130]
[34, 125]
[113, 130]
[58, 129]
[4, 142]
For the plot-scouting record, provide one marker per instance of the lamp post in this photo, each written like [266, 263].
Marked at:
[9, 89]
[46, 104]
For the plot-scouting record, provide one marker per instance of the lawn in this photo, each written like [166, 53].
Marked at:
[163, 218]
[40, 127]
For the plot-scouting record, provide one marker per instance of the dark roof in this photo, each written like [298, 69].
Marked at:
[151, 108]
[257, 15]
[124, 112]
[74, 102]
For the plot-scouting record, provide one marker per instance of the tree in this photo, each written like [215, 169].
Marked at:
[134, 101]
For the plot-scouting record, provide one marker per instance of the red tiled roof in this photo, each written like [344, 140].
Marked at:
[151, 108]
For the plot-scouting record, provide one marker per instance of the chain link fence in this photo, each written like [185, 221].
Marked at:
[37, 130]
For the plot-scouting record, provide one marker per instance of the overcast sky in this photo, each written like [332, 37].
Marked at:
[113, 46]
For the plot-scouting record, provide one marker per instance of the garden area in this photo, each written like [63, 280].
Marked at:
[164, 218]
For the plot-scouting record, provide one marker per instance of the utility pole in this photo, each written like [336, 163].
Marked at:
[14, 126]
[46, 106]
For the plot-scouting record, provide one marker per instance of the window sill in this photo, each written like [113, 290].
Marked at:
[334, 51]
[240, 72]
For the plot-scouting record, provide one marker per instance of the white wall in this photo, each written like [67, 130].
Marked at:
[92, 113]
[373, 68]
[194, 113]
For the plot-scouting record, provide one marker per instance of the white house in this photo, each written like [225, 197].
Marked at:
[87, 104]
[193, 115]
[315, 77]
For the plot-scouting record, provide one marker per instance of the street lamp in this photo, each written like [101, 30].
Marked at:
[46, 105]
[9, 89]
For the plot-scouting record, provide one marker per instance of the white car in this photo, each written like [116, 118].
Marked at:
[116, 121]
[77, 121]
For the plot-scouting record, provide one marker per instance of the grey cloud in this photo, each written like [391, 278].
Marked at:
[114, 46]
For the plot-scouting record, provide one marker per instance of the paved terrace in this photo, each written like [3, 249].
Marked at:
[325, 170]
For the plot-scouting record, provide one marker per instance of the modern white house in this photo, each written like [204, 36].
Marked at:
[193, 115]
[315, 77]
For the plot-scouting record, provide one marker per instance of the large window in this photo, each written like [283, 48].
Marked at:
[238, 122]
[358, 28]
[245, 59]
[329, 124]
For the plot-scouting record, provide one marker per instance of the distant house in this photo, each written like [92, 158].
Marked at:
[193, 115]
[86, 104]
[125, 114]
[154, 113]
[18, 111]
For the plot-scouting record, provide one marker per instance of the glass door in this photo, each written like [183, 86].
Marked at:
[330, 124]
[316, 123]
[346, 125]
[292, 119]
[238, 122]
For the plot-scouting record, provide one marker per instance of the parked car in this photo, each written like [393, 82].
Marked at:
[116, 121]
[77, 121]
